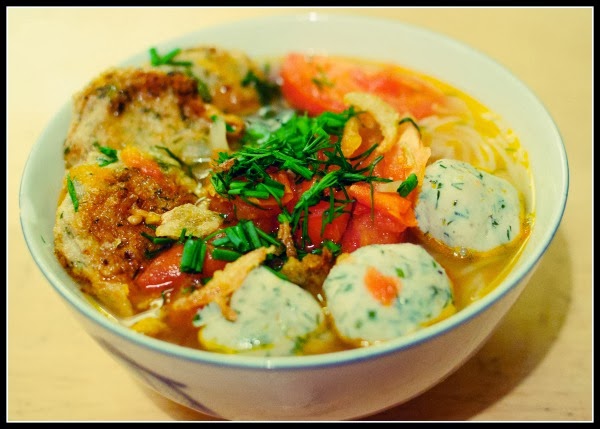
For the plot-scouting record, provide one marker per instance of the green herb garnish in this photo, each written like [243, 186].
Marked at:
[267, 91]
[321, 80]
[228, 244]
[408, 185]
[72, 193]
[111, 155]
[203, 90]
[158, 240]
[185, 167]
[411, 120]
[333, 247]
[192, 259]
[310, 149]
[168, 59]
[225, 254]
[243, 237]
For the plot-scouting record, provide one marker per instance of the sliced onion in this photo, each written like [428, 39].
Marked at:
[385, 115]
[218, 135]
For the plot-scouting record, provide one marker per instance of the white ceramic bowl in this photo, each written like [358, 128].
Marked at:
[342, 385]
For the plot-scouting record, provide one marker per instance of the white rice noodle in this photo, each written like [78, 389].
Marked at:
[455, 137]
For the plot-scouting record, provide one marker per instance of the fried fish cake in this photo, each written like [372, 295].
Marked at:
[145, 108]
[229, 79]
[96, 241]
[166, 106]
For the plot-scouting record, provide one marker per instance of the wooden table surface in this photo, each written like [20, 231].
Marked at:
[536, 367]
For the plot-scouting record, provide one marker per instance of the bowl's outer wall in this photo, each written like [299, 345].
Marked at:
[361, 385]
[339, 392]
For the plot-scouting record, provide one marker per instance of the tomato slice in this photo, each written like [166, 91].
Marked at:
[366, 227]
[390, 203]
[317, 233]
[318, 83]
[164, 271]
[308, 85]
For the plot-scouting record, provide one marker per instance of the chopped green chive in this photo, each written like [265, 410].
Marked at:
[407, 186]
[308, 148]
[111, 155]
[228, 244]
[182, 237]
[252, 234]
[411, 120]
[158, 60]
[237, 238]
[72, 193]
[225, 254]
[155, 59]
[158, 240]
[169, 59]
[267, 238]
[203, 90]
[333, 247]
[192, 259]
[185, 167]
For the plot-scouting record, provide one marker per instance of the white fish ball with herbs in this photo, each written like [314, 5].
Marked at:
[274, 318]
[383, 291]
[466, 208]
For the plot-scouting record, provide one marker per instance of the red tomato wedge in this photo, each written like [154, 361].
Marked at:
[283, 178]
[332, 231]
[316, 84]
[366, 227]
[390, 203]
[164, 271]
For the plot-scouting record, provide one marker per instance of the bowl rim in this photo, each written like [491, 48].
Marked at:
[338, 358]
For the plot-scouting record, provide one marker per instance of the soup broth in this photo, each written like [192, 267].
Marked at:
[217, 202]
